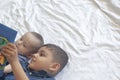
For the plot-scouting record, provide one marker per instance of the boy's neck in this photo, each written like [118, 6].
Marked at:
[40, 73]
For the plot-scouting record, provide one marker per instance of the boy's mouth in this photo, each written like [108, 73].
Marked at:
[30, 61]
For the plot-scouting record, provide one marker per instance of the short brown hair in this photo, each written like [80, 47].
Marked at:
[59, 55]
[41, 40]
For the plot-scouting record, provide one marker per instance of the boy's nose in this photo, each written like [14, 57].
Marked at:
[19, 42]
[34, 55]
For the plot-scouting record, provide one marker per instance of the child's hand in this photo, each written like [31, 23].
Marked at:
[10, 52]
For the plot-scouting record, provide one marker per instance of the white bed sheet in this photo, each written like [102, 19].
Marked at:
[88, 30]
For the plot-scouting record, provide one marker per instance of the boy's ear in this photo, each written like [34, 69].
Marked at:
[54, 67]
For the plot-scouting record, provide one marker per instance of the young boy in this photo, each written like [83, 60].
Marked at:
[28, 44]
[45, 64]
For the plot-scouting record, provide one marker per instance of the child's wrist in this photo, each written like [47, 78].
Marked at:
[13, 61]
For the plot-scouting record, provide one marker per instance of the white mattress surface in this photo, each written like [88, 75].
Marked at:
[88, 30]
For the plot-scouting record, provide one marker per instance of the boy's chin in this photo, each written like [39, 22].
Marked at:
[30, 66]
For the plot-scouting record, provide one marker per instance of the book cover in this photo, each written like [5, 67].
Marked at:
[7, 34]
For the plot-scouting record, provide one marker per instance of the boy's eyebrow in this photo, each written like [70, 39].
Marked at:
[43, 52]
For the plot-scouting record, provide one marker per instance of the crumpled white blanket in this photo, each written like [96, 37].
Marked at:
[88, 30]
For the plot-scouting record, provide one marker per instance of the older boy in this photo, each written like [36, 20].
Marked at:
[45, 64]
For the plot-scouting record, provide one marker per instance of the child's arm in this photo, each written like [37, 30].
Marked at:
[18, 71]
[7, 69]
[10, 51]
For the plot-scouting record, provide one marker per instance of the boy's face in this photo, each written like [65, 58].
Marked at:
[42, 60]
[25, 44]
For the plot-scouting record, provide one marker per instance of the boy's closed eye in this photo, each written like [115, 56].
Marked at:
[21, 39]
[24, 45]
[41, 53]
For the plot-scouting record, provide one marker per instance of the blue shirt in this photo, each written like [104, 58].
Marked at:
[22, 60]
[32, 75]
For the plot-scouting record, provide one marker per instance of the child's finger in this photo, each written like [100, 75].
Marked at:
[7, 48]
[11, 45]
[6, 51]
[9, 53]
